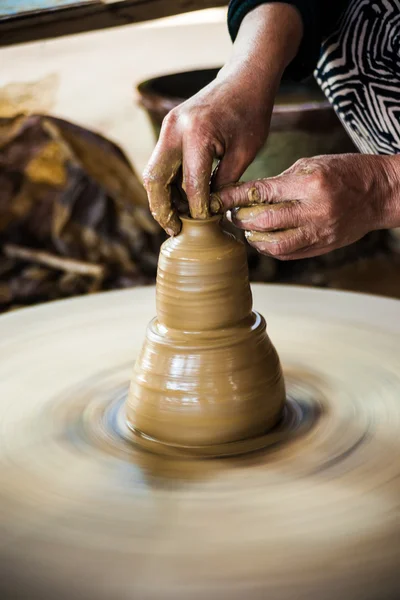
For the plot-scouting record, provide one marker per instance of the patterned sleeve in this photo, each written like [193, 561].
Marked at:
[319, 19]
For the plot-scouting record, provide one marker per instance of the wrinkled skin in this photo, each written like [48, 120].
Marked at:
[213, 124]
[318, 205]
[227, 121]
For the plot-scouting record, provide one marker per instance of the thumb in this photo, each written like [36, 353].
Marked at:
[263, 191]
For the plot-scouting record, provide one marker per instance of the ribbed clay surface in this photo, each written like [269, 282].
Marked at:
[207, 372]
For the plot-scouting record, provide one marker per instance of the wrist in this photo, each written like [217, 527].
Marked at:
[390, 198]
[245, 80]
[268, 40]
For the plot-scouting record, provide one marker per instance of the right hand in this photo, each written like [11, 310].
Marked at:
[228, 121]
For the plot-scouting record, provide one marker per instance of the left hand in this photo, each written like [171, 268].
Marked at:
[317, 205]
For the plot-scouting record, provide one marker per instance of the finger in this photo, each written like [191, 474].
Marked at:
[269, 217]
[161, 170]
[278, 243]
[272, 190]
[197, 167]
[231, 167]
[307, 252]
[178, 196]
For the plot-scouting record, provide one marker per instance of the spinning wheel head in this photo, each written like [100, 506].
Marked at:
[85, 513]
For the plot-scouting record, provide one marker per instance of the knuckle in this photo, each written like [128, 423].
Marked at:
[266, 220]
[259, 192]
[193, 122]
[264, 190]
[199, 135]
[192, 183]
[301, 163]
[170, 130]
[303, 166]
[170, 121]
[150, 180]
[321, 182]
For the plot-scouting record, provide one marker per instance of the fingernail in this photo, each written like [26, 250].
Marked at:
[244, 215]
[236, 220]
[256, 236]
[215, 204]
[254, 195]
[170, 232]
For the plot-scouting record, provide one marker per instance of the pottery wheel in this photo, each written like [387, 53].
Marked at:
[86, 514]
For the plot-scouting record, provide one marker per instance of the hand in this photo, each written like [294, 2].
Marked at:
[316, 206]
[228, 120]
[215, 123]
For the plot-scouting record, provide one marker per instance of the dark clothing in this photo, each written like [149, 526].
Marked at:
[353, 48]
[319, 20]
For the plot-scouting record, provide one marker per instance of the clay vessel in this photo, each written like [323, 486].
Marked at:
[207, 373]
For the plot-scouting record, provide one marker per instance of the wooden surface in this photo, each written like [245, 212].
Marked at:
[85, 514]
[31, 20]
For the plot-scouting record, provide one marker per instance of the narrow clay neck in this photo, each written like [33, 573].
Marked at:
[202, 278]
[201, 228]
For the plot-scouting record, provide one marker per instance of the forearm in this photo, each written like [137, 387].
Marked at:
[319, 18]
[268, 40]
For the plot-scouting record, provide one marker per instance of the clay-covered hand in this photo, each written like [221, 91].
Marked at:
[317, 205]
[226, 121]
[214, 124]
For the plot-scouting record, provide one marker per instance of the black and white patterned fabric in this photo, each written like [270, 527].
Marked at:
[359, 72]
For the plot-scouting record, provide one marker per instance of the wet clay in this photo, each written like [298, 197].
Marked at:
[207, 373]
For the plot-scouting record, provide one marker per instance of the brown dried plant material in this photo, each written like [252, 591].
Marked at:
[71, 202]
[57, 262]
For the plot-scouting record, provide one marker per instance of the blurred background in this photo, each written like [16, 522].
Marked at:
[79, 117]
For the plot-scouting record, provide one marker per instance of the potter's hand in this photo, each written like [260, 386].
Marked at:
[228, 120]
[214, 124]
[316, 206]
